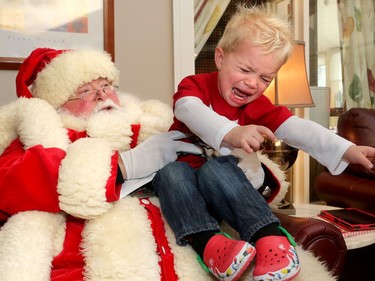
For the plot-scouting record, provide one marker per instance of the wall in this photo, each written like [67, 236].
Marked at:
[143, 51]
[8, 89]
[144, 47]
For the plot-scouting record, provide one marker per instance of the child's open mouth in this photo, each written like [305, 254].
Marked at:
[239, 94]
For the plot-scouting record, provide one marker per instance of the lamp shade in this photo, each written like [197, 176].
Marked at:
[290, 86]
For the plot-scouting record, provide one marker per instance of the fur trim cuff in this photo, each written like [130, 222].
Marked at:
[83, 176]
[119, 134]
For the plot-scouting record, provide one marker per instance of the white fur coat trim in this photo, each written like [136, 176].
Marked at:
[34, 121]
[82, 177]
[130, 245]
[25, 258]
[120, 245]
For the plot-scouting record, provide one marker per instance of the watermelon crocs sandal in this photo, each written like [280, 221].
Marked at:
[226, 258]
[276, 258]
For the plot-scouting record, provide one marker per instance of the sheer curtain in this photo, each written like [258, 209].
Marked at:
[207, 14]
[357, 41]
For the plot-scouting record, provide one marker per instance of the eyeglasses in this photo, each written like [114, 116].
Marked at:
[90, 95]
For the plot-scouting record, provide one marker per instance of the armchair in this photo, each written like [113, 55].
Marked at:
[323, 239]
[354, 187]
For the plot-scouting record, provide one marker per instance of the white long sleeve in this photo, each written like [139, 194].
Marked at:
[319, 142]
[209, 126]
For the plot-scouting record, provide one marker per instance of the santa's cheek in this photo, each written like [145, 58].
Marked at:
[80, 108]
[115, 99]
[87, 109]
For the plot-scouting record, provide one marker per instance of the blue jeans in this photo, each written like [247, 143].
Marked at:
[196, 200]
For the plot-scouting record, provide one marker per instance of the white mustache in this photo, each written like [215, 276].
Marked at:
[105, 104]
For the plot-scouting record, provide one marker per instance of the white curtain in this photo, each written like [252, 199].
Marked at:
[357, 40]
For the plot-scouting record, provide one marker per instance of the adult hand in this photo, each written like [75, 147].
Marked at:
[249, 137]
[154, 153]
[362, 155]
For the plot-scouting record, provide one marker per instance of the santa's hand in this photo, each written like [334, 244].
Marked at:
[154, 153]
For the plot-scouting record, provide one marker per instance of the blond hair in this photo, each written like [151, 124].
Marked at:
[262, 29]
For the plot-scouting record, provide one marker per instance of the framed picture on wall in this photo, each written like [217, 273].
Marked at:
[58, 24]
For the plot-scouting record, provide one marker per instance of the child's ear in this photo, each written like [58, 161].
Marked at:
[219, 55]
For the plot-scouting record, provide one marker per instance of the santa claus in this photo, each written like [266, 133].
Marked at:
[61, 176]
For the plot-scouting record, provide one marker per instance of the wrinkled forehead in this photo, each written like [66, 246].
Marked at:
[95, 83]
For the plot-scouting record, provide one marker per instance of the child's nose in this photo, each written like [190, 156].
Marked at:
[251, 82]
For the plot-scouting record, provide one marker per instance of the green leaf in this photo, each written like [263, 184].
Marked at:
[355, 89]
[358, 19]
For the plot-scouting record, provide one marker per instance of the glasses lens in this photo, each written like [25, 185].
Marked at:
[110, 89]
[106, 89]
[89, 95]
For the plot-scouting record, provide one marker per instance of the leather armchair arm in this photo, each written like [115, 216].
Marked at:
[319, 237]
[346, 190]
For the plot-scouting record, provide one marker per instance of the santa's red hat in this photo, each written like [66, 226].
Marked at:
[55, 75]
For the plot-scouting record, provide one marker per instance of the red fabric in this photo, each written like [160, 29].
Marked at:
[135, 129]
[113, 194]
[30, 68]
[204, 86]
[75, 135]
[28, 178]
[166, 256]
[68, 264]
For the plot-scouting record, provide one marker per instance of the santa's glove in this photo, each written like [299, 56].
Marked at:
[154, 153]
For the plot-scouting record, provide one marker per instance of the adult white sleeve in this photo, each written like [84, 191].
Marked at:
[208, 125]
[319, 142]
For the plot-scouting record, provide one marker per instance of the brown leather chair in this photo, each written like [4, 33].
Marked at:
[356, 186]
[324, 240]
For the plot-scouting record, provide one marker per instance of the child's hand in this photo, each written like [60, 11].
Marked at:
[362, 155]
[249, 137]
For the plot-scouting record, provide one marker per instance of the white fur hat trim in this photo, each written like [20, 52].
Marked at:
[60, 78]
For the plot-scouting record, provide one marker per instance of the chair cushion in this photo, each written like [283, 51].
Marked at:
[358, 126]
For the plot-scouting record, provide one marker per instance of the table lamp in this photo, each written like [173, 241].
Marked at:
[289, 88]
